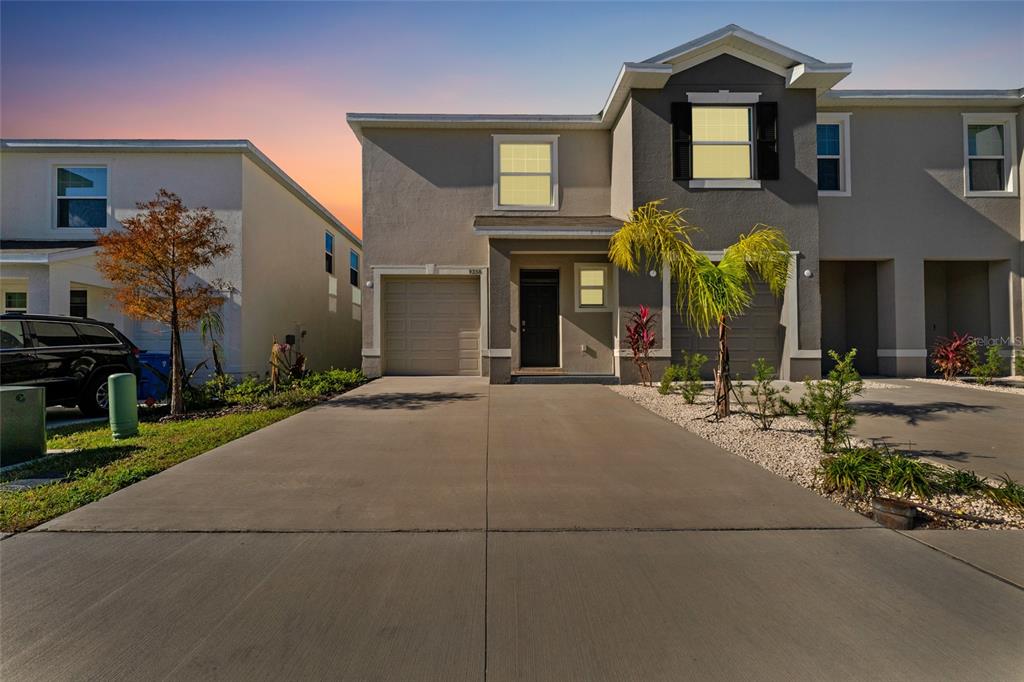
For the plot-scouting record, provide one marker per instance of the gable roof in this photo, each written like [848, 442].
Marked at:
[800, 71]
[186, 146]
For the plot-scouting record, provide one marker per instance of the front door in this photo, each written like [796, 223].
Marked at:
[538, 318]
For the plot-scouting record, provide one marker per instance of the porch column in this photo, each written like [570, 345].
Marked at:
[497, 360]
[901, 318]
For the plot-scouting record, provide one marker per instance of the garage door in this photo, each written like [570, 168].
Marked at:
[431, 325]
[757, 334]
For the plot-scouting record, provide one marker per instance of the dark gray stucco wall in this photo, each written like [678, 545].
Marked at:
[789, 203]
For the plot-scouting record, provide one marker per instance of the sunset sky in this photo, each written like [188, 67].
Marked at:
[284, 74]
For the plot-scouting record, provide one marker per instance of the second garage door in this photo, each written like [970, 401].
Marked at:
[756, 334]
[431, 325]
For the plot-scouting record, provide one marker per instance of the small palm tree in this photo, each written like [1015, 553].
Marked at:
[709, 294]
[211, 330]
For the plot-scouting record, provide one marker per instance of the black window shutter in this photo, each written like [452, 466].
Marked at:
[682, 123]
[767, 120]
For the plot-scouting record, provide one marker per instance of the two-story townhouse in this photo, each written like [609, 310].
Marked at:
[486, 235]
[291, 275]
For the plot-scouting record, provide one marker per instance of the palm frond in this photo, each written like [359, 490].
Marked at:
[650, 238]
[765, 251]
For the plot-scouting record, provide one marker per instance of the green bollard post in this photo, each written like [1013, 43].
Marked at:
[123, 406]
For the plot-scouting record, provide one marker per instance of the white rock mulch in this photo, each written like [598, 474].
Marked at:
[791, 451]
[1016, 390]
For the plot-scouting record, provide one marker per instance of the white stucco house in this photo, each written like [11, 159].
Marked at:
[293, 272]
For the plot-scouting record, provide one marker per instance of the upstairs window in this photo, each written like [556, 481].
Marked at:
[329, 249]
[990, 149]
[834, 154]
[722, 143]
[82, 196]
[526, 172]
[353, 268]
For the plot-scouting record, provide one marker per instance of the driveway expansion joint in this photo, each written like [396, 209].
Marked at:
[991, 574]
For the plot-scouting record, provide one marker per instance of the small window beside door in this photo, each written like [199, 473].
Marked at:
[592, 287]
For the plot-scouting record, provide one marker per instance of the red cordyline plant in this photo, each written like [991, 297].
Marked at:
[640, 332]
[954, 356]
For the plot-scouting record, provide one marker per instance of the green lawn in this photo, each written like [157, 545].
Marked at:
[102, 465]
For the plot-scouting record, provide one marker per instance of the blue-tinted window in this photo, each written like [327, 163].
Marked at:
[828, 139]
[82, 196]
[828, 175]
[353, 268]
[329, 248]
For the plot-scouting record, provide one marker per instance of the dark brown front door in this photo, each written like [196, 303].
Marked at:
[538, 318]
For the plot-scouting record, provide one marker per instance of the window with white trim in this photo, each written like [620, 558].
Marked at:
[353, 279]
[81, 196]
[833, 154]
[990, 152]
[722, 141]
[526, 172]
[329, 252]
[592, 287]
[15, 301]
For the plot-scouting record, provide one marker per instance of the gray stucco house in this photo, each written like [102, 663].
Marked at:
[485, 235]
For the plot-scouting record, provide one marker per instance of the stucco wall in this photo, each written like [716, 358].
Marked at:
[286, 287]
[789, 203]
[622, 163]
[908, 205]
[27, 211]
[586, 337]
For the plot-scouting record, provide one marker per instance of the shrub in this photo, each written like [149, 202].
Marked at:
[1018, 363]
[954, 356]
[687, 373]
[290, 397]
[248, 391]
[855, 472]
[992, 367]
[640, 332]
[331, 381]
[960, 482]
[827, 402]
[905, 476]
[769, 401]
[1008, 493]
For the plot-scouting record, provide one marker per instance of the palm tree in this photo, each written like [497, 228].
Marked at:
[709, 293]
[211, 329]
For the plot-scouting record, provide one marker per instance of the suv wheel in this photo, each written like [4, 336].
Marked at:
[95, 399]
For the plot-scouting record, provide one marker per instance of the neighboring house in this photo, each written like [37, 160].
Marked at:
[291, 274]
[486, 235]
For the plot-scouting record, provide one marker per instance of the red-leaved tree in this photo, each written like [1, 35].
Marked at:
[152, 264]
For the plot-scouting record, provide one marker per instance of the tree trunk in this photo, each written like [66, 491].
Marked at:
[217, 366]
[177, 369]
[722, 379]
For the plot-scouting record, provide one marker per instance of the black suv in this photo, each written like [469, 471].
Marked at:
[69, 356]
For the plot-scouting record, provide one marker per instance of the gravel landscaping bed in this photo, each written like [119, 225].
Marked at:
[790, 450]
[995, 388]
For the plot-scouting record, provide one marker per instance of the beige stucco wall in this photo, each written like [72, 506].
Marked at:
[586, 338]
[622, 163]
[285, 285]
[422, 189]
[908, 207]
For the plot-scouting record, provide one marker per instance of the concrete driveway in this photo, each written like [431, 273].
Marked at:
[446, 529]
[960, 426]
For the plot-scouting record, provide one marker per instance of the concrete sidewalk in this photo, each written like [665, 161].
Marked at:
[447, 529]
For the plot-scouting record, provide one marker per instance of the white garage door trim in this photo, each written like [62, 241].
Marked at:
[425, 270]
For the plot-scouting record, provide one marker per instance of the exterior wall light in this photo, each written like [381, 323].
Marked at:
[808, 274]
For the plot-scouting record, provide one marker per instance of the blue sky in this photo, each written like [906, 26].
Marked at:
[285, 73]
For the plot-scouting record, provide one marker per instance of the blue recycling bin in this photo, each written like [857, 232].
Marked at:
[155, 378]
